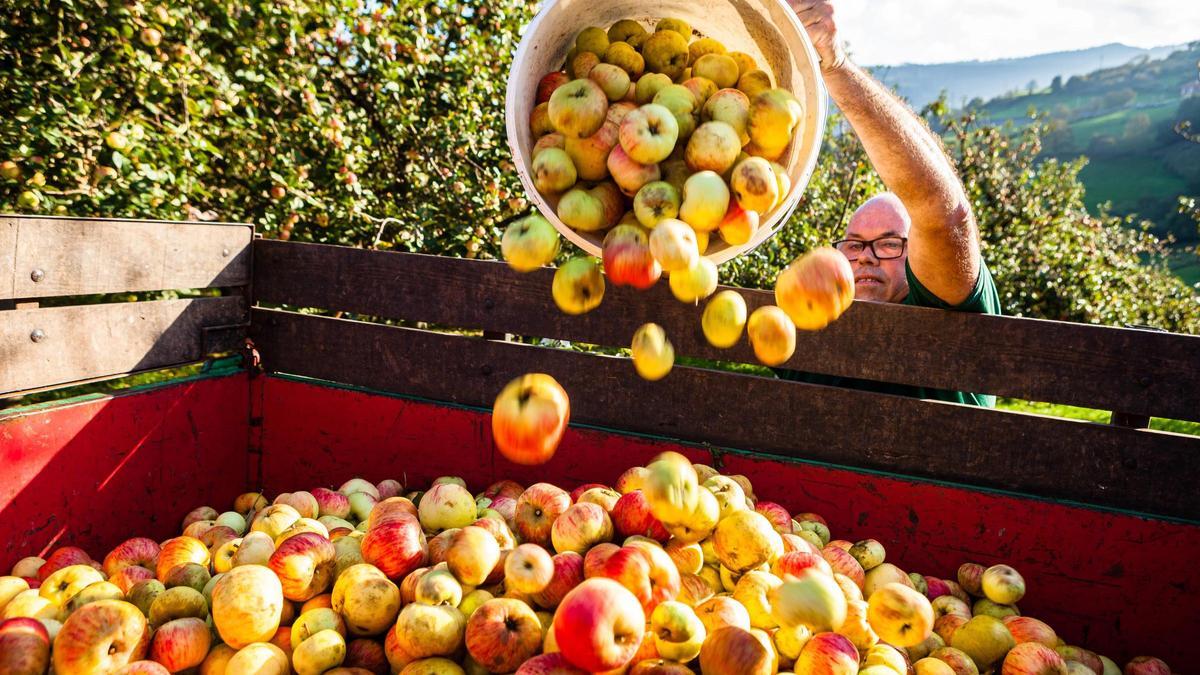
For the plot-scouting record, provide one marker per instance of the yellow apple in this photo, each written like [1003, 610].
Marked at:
[772, 335]
[724, 318]
[247, 604]
[653, 355]
[578, 286]
[696, 282]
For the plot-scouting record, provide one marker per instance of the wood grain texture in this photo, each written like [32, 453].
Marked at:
[8, 256]
[85, 256]
[91, 341]
[1092, 463]
[1134, 371]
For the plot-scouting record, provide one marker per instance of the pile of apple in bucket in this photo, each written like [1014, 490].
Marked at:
[653, 144]
[673, 569]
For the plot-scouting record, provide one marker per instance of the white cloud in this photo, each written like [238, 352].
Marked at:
[934, 31]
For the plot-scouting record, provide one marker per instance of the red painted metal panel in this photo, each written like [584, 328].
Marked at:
[1117, 583]
[1121, 584]
[94, 473]
[317, 435]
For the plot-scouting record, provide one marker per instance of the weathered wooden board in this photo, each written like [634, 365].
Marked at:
[58, 345]
[1134, 371]
[1091, 463]
[66, 256]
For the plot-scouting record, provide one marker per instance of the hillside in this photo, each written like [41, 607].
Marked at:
[964, 81]
[1123, 119]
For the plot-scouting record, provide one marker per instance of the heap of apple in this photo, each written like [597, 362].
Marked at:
[657, 142]
[643, 128]
[673, 569]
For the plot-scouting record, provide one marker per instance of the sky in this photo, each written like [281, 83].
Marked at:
[889, 32]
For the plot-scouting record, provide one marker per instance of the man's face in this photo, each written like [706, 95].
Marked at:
[875, 279]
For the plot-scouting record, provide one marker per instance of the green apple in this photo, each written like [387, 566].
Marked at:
[582, 211]
[529, 243]
[813, 600]
[682, 103]
[678, 632]
[592, 39]
[666, 51]
[625, 57]
[648, 85]
[704, 46]
[655, 202]
[553, 171]
[1003, 585]
[28, 200]
[677, 25]
[705, 201]
[754, 82]
[577, 109]
[648, 134]
[984, 639]
[774, 114]
[627, 30]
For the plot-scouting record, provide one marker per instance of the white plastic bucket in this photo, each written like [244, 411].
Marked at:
[768, 30]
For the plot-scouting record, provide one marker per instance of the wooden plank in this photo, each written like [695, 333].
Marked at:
[8, 257]
[1134, 371]
[1092, 463]
[64, 256]
[57, 345]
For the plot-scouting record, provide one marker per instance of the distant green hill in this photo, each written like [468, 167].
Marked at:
[963, 81]
[1124, 120]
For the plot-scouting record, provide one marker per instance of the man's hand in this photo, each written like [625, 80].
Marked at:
[817, 17]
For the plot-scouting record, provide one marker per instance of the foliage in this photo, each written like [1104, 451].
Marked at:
[313, 119]
[1124, 117]
[319, 119]
[1052, 259]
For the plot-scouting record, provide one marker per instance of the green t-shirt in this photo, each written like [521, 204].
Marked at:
[984, 299]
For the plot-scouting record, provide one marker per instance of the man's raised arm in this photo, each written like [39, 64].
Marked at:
[944, 241]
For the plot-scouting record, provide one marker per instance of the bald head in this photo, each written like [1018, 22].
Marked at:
[880, 216]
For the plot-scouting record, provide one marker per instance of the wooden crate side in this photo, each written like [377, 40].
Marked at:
[1091, 463]
[65, 256]
[1116, 583]
[50, 346]
[94, 473]
[1133, 371]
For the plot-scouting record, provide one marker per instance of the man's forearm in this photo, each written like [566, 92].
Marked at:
[904, 152]
[944, 248]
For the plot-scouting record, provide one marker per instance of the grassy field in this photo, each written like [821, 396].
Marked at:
[1127, 179]
[1072, 412]
[1113, 123]
[1186, 264]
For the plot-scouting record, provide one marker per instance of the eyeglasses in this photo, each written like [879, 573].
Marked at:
[883, 248]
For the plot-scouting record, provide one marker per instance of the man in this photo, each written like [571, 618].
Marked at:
[917, 244]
